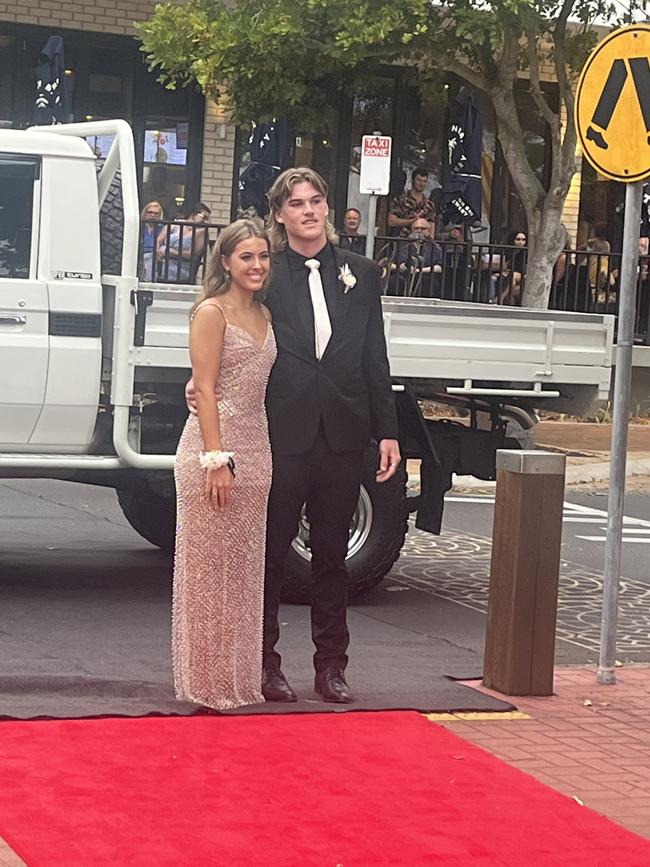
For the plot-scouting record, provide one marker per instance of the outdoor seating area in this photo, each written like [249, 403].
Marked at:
[583, 282]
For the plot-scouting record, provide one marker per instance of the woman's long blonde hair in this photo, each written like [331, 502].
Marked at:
[217, 279]
[281, 191]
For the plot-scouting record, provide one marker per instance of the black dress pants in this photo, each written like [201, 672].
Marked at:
[329, 484]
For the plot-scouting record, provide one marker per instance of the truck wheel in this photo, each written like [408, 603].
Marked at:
[377, 534]
[150, 515]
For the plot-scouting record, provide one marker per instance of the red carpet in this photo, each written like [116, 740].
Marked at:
[355, 790]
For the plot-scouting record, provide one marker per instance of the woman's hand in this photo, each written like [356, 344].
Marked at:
[218, 487]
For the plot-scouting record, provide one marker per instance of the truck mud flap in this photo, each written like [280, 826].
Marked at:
[415, 442]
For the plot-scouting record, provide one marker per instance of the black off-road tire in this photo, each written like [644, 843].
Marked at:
[150, 515]
[111, 228]
[370, 563]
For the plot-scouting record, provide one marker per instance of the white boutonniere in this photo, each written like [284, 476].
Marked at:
[347, 278]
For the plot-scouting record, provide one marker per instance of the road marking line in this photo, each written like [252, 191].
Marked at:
[587, 510]
[604, 539]
[586, 519]
[469, 499]
[572, 512]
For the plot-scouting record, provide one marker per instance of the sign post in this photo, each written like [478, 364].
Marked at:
[374, 179]
[613, 121]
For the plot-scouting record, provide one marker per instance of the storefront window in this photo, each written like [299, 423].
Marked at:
[106, 78]
[7, 60]
[372, 111]
[317, 151]
[425, 136]
[165, 165]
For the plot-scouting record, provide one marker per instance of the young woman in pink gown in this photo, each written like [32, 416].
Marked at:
[223, 475]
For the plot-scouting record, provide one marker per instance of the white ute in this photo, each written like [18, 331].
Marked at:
[93, 365]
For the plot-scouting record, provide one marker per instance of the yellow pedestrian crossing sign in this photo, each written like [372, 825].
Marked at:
[612, 109]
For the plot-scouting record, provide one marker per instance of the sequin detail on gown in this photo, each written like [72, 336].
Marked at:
[219, 562]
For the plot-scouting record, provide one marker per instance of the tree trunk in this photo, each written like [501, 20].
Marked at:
[546, 235]
[546, 240]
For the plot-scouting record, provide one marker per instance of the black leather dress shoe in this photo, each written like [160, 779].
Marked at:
[275, 686]
[331, 685]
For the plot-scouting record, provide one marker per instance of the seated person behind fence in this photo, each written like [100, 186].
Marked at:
[642, 269]
[595, 265]
[456, 264]
[512, 277]
[413, 259]
[414, 203]
[350, 238]
[181, 247]
[151, 212]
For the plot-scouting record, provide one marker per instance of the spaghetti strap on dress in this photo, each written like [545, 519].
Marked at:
[219, 561]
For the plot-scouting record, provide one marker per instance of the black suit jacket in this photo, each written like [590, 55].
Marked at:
[349, 389]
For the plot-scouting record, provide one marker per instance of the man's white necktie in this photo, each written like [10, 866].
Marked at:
[322, 324]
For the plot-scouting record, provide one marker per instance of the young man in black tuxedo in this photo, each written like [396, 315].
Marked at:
[328, 394]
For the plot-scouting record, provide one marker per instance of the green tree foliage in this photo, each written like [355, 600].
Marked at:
[297, 57]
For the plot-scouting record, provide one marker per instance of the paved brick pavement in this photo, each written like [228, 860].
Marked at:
[590, 438]
[588, 741]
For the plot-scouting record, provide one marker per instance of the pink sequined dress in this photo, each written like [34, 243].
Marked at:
[219, 562]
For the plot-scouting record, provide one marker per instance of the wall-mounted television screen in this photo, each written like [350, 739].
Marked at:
[161, 146]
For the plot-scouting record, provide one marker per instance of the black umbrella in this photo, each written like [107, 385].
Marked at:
[268, 144]
[51, 106]
[461, 197]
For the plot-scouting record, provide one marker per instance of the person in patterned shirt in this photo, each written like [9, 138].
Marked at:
[412, 205]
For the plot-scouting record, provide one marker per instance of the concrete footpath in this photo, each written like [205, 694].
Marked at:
[588, 741]
[587, 447]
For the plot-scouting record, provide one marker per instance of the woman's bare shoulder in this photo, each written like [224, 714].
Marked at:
[212, 309]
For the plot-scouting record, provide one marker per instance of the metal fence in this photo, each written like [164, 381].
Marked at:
[175, 251]
[583, 281]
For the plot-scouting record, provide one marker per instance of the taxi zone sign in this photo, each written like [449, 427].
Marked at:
[375, 164]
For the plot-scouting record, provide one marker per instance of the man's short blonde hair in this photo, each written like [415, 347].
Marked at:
[281, 191]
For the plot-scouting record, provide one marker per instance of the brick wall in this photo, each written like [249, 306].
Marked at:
[572, 202]
[117, 16]
[218, 156]
[103, 16]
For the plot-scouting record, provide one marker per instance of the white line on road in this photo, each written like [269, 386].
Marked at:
[470, 499]
[627, 539]
[574, 513]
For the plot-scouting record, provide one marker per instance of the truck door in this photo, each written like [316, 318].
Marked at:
[23, 302]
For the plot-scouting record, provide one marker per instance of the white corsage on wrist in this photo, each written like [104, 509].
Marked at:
[347, 278]
[214, 460]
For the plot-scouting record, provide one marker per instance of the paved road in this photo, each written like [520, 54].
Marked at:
[460, 566]
[43, 521]
[584, 525]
